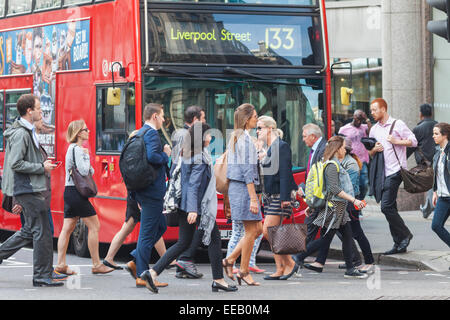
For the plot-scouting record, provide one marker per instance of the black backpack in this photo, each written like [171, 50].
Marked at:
[136, 172]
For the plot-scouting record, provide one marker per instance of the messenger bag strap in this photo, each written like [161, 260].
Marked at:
[393, 146]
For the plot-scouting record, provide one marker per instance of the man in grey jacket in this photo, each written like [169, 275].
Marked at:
[24, 178]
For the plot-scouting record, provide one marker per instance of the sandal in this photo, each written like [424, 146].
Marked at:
[65, 270]
[228, 268]
[241, 277]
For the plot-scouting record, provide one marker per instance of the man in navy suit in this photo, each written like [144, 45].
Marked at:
[151, 198]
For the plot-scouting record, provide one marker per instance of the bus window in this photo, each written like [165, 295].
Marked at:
[114, 123]
[47, 4]
[19, 6]
[72, 2]
[2, 8]
[292, 106]
[11, 112]
[1, 119]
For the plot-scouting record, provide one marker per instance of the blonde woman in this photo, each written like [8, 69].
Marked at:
[278, 185]
[75, 205]
[242, 171]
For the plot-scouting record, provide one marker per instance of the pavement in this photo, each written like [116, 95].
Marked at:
[425, 252]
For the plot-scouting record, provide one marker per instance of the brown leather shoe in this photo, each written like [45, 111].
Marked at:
[102, 269]
[141, 283]
[160, 284]
[131, 268]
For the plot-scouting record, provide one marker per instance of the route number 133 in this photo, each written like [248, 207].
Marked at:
[279, 37]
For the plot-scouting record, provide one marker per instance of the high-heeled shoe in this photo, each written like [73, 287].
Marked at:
[217, 286]
[241, 277]
[228, 268]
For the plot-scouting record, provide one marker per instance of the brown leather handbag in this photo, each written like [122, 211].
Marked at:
[85, 185]
[287, 238]
[220, 172]
[420, 178]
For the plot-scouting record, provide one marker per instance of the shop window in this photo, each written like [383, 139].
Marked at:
[114, 123]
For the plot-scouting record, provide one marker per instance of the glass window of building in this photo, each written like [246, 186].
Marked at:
[366, 82]
[47, 4]
[19, 6]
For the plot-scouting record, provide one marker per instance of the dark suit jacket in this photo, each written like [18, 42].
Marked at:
[279, 159]
[424, 135]
[446, 166]
[159, 159]
[195, 177]
[319, 152]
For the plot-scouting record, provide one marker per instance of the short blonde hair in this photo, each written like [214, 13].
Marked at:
[270, 122]
[74, 129]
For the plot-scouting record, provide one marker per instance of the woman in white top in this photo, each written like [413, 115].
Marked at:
[77, 206]
[441, 187]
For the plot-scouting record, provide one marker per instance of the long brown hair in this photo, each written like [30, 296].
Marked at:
[333, 145]
[444, 129]
[242, 114]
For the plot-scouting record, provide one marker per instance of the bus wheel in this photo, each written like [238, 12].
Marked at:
[80, 240]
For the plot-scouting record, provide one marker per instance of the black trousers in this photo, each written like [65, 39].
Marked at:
[185, 237]
[325, 240]
[399, 230]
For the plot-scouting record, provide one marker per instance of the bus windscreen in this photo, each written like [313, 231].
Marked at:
[220, 38]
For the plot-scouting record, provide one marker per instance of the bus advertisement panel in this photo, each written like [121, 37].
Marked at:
[42, 51]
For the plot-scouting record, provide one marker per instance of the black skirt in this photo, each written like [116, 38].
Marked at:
[132, 210]
[76, 205]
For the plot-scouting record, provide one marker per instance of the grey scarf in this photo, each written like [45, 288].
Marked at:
[209, 203]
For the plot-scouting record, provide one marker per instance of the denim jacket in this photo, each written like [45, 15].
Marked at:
[242, 162]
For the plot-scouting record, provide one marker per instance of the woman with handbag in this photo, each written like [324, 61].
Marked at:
[198, 207]
[278, 185]
[242, 172]
[334, 216]
[441, 186]
[76, 205]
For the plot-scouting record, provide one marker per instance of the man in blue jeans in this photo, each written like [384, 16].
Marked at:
[151, 199]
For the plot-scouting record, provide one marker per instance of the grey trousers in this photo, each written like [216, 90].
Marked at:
[36, 230]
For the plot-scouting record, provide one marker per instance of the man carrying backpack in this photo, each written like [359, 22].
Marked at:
[151, 197]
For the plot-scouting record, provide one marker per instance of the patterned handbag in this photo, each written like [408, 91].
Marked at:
[287, 238]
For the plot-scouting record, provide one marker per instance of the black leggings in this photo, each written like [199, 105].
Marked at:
[185, 235]
[315, 245]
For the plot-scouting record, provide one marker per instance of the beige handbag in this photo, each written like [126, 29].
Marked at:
[220, 171]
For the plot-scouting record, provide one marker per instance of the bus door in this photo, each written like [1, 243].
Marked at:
[11, 88]
[114, 124]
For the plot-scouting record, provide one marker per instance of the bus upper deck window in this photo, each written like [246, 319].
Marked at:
[71, 2]
[19, 6]
[47, 4]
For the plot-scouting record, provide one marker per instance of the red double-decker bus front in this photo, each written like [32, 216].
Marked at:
[217, 55]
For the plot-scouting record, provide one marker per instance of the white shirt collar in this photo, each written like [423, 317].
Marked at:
[26, 123]
[151, 125]
[316, 144]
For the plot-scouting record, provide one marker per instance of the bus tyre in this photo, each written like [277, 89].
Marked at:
[80, 240]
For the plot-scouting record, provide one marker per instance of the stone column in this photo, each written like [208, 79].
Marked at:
[406, 56]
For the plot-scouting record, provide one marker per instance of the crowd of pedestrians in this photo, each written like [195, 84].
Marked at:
[360, 159]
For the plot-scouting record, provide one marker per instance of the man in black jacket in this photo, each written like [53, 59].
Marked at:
[424, 134]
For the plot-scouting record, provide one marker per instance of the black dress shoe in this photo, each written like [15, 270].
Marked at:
[189, 268]
[217, 286]
[313, 268]
[149, 284]
[394, 250]
[404, 244]
[47, 283]
[272, 278]
[294, 270]
[106, 263]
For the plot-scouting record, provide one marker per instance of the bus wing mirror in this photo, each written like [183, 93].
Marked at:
[346, 96]
[113, 96]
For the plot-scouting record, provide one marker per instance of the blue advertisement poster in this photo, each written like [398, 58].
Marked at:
[42, 51]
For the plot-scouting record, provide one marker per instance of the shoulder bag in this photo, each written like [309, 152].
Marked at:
[420, 178]
[220, 172]
[85, 184]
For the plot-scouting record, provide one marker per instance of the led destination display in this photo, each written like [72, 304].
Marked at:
[236, 39]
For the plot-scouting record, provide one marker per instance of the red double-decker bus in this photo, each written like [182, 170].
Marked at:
[215, 54]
